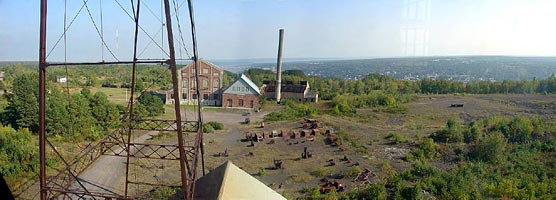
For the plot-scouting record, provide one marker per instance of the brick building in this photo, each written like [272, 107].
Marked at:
[242, 93]
[210, 77]
[290, 90]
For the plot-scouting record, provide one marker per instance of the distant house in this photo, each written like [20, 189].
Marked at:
[1, 76]
[210, 77]
[61, 79]
[297, 91]
[241, 93]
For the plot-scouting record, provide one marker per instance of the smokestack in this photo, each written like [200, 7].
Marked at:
[279, 67]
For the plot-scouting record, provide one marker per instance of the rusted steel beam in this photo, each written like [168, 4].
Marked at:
[151, 184]
[69, 194]
[164, 125]
[42, 101]
[109, 63]
[173, 68]
[199, 136]
[133, 77]
[150, 151]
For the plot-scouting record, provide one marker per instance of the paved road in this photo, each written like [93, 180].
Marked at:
[107, 173]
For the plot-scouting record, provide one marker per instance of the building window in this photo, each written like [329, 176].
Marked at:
[172, 96]
[215, 96]
[184, 95]
[205, 96]
[229, 102]
[205, 83]
[205, 71]
[183, 75]
[252, 104]
[215, 74]
[193, 84]
[215, 83]
[240, 103]
[194, 96]
[193, 71]
[184, 83]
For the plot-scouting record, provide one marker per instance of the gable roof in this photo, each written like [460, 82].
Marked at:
[230, 182]
[200, 62]
[250, 83]
[247, 81]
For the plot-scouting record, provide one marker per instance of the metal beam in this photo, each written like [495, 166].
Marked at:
[133, 77]
[42, 100]
[172, 63]
[110, 63]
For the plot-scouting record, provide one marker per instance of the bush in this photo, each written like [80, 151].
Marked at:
[427, 150]
[451, 133]
[490, 148]
[216, 125]
[395, 138]
[291, 111]
[207, 128]
[18, 155]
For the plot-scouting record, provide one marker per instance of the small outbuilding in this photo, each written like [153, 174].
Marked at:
[242, 93]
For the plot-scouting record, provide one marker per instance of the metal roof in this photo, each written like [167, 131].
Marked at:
[250, 83]
[230, 182]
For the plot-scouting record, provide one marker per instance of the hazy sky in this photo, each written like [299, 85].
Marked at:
[237, 29]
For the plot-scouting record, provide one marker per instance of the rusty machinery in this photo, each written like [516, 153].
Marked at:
[62, 184]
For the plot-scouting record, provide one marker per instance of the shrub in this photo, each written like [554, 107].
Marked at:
[490, 148]
[207, 128]
[451, 133]
[427, 150]
[216, 125]
[395, 138]
[292, 110]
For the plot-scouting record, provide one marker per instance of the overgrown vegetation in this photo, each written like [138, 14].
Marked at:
[291, 110]
[497, 157]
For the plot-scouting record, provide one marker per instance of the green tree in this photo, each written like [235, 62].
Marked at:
[23, 103]
[57, 118]
[81, 120]
[105, 112]
[153, 104]
[490, 148]
[18, 154]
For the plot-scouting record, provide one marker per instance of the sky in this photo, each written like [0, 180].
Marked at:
[248, 29]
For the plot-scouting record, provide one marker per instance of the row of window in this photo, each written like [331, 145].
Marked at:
[240, 103]
[194, 96]
[205, 71]
[215, 83]
[240, 89]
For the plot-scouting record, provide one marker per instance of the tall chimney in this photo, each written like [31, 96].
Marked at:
[279, 67]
